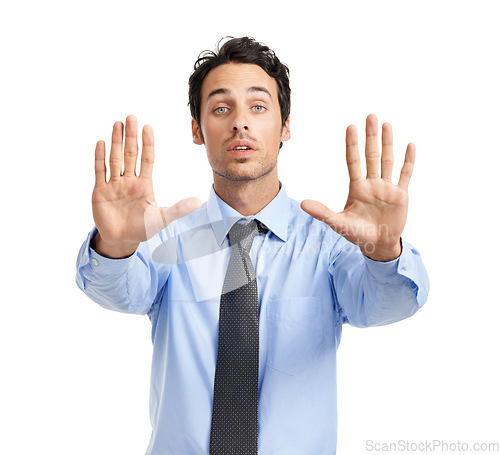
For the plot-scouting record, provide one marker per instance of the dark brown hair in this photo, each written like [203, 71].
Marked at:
[240, 50]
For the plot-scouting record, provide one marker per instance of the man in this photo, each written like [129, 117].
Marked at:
[247, 294]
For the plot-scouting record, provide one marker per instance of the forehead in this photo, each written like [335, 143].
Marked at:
[237, 78]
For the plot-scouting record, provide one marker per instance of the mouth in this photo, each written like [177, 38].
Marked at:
[241, 147]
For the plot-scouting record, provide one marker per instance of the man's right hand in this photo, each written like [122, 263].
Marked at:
[124, 208]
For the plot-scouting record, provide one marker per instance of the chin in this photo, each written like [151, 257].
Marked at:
[243, 175]
[238, 177]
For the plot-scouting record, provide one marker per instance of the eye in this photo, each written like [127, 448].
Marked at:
[220, 110]
[259, 108]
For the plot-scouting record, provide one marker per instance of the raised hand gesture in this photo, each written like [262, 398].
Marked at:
[124, 208]
[375, 212]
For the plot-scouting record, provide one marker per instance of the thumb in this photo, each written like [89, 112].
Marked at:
[180, 209]
[156, 219]
[321, 212]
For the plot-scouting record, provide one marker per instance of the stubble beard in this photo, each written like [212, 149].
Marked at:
[258, 166]
[258, 170]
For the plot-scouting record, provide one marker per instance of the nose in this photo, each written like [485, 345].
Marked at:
[240, 127]
[240, 122]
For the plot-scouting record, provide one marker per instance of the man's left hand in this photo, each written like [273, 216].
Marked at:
[375, 212]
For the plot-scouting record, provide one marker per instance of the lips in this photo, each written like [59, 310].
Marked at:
[240, 146]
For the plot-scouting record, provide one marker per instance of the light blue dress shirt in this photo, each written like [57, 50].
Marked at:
[310, 280]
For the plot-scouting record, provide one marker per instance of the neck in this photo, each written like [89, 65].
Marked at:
[247, 197]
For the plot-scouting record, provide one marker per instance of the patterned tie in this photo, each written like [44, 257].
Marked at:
[235, 418]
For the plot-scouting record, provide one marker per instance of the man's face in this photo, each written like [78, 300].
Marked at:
[240, 122]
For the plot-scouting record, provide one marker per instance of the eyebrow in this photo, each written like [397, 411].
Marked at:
[259, 89]
[225, 91]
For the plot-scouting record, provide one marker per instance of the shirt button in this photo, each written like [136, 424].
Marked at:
[404, 267]
[95, 261]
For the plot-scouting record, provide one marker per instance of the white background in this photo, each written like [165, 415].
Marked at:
[75, 377]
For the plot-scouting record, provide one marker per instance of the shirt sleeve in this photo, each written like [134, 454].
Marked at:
[370, 293]
[129, 285]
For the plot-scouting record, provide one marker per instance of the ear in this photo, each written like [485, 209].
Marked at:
[285, 131]
[197, 134]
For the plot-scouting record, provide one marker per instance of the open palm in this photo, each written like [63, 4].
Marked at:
[376, 209]
[124, 208]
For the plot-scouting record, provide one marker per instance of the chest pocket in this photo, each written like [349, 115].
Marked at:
[295, 334]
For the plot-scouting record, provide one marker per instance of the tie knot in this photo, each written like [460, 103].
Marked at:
[244, 234]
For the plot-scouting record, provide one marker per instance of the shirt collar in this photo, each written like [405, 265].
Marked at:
[274, 215]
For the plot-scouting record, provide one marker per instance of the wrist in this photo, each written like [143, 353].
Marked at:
[383, 254]
[112, 250]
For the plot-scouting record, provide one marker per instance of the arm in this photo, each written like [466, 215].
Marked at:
[128, 285]
[116, 270]
[376, 276]
[373, 293]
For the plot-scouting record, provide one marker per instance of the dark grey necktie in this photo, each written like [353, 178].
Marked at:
[235, 410]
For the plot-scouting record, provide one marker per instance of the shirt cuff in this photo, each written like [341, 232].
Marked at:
[390, 272]
[91, 264]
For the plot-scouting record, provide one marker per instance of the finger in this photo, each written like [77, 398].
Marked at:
[387, 152]
[116, 156]
[155, 220]
[100, 163]
[131, 147]
[182, 208]
[321, 212]
[352, 153]
[407, 169]
[148, 152]
[371, 147]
